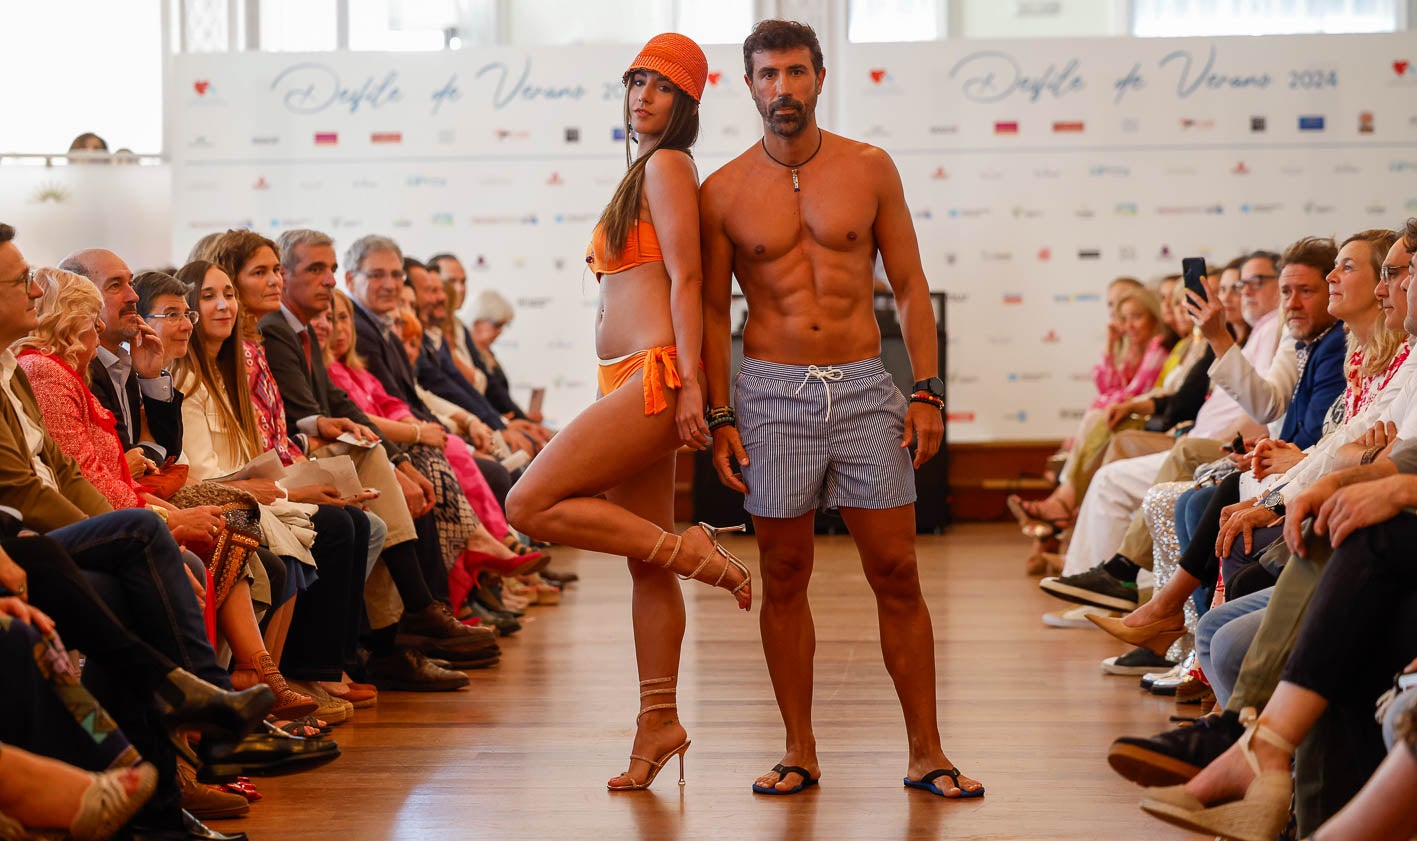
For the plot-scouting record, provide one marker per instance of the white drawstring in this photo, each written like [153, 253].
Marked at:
[824, 374]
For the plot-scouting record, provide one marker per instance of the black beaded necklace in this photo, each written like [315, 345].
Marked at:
[796, 186]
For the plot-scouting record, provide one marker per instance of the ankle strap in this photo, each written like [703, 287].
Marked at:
[651, 708]
[657, 680]
[649, 559]
[1249, 717]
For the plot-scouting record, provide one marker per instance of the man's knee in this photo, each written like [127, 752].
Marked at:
[894, 576]
[787, 570]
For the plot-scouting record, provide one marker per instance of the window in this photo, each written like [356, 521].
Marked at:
[896, 20]
[715, 21]
[1157, 18]
[299, 26]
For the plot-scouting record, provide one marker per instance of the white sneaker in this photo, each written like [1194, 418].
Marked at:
[1075, 618]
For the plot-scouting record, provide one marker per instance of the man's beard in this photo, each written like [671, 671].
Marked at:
[789, 124]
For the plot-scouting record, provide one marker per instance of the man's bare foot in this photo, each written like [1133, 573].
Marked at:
[656, 735]
[920, 767]
[785, 782]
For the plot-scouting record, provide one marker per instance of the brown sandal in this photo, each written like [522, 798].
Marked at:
[290, 705]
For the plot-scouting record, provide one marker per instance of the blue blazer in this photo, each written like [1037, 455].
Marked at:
[1321, 384]
[438, 374]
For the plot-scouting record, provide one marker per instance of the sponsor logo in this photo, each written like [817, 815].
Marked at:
[1127, 208]
[365, 184]
[959, 417]
[199, 142]
[505, 134]
[1084, 213]
[1260, 207]
[385, 137]
[1197, 123]
[1020, 212]
[1013, 298]
[1070, 414]
[403, 223]
[996, 256]
[991, 175]
[1316, 209]
[1404, 69]
[951, 258]
[925, 213]
[326, 138]
[879, 75]
[573, 134]
[540, 302]
[715, 77]
[1106, 170]
[1127, 252]
[265, 140]
[447, 136]
[1376, 209]
[956, 297]
[1240, 169]
[1311, 122]
[1291, 169]
[1402, 166]
[944, 130]
[1087, 297]
[1190, 210]
[1029, 377]
[1257, 125]
[1051, 337]
[505, 219]
[1000, 341]
[968, 212]
[1068, 126]
[939, 174]
[1346, 168]
[576, 218]
[1179, 170]
[1047, 173]
[201, 86]
[555, 180]
[1021, 416]
[1164, 253]
[1062, 298]
[1006, 127]
[1089, 253]
[1045, 254]
[1411, 206]
[203, 187]
[261, 184]
[444, 220]
[617, 133]
[437, 181]
[1131, 125]
[877, 131]
[1365, 122]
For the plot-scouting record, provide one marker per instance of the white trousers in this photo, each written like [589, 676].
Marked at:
[1113, 497]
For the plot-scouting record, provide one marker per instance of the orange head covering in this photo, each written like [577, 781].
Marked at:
[678, 59]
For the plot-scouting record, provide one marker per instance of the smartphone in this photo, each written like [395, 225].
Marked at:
[1193, 274]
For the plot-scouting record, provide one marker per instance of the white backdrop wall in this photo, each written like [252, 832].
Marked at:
[1036, 171]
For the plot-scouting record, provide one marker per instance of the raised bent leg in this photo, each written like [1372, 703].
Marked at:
[789, 637]
[886, 540]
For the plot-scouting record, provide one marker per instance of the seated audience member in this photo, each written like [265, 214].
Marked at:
[450, 270]
[126, 374]
[1143, 351]
[1110, 524]
[1316, 310]
[410, 563]
[52, 355]
[1176, 756]
[131, 554]
[1360, 628]
[490, 317]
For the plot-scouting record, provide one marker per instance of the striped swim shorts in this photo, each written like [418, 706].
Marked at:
[822, 436]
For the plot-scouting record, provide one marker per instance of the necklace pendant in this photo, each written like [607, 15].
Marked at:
[796, 187]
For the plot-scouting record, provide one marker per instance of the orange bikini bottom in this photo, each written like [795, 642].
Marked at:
[616, 372]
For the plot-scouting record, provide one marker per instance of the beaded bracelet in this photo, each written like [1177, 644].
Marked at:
[720, 416]
[927, 397]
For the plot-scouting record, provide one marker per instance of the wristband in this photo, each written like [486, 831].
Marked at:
[722, 420]
[417, 433]
[928, 398]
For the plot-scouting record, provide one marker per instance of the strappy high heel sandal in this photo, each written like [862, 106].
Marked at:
[655, 764]
[1259, 816]
[1035, 526]
[290, 705]
[729, 560]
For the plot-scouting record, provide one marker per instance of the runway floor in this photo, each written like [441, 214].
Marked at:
[525, 753]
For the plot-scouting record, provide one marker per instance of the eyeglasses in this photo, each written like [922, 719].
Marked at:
[380, 274]
[30, 275]
[1390, 274]
[172, 317]
[1255, 281]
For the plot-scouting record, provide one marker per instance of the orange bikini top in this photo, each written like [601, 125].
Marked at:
[641, 246]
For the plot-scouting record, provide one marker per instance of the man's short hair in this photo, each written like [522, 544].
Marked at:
[366, 245]
[7, 233]
[299, 238]
[409, 264]
[433, 262]
[1235, 264]
[1409, 235]
[149, 285]
[1276, 259]
[775, 34]
[1315, 252]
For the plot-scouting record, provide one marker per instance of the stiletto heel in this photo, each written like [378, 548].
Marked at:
[729, 561]
[655, 765]
[1258, 816]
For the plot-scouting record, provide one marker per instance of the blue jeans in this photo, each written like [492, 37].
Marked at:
[130, 558]
[1224, 634]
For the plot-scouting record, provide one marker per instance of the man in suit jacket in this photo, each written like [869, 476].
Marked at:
[130, 382]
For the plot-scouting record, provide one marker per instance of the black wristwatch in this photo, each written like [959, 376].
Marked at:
[1273, 501]
[933, 386]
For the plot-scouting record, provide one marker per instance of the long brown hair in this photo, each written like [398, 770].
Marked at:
[224, 377]
[623, 211]
[229, 253]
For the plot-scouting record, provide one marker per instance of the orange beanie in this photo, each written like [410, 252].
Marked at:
[678, 59]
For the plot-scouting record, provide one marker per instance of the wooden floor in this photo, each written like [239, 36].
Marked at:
[525, 753]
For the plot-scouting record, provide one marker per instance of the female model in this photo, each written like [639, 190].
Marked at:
[645, 253]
